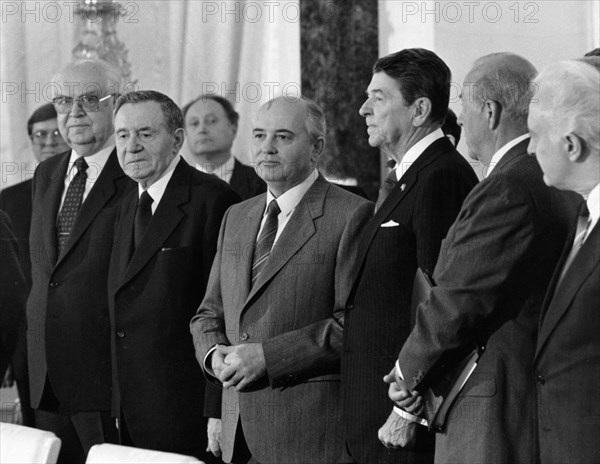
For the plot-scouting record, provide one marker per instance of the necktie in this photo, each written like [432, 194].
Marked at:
[143, 214]
[386, 188]
[265, 240]
[583, 224]
[71, 205]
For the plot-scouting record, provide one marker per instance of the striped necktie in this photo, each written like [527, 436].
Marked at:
[265, 241]
[583, 224]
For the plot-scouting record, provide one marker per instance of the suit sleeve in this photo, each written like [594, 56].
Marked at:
[487, 253]
[316, 349]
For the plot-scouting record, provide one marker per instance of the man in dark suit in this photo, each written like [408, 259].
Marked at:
[75, 199]
[493, 270]
[211, 124]
[165, 241]
[46, 142]
[564, 121]
[274, 337]
[404, 111]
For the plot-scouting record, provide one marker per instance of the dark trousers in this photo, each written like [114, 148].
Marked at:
[78, 431]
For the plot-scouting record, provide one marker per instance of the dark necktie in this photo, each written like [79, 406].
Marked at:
[143, 214]
[386, 188]
[265, 240]
[71, 205]
[583, 224]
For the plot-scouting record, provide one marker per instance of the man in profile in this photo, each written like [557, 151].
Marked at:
[407, 101]
[564, 122]
[490, 281]
[211, 125]
[273, 340]
[75, 199]
[165, 241]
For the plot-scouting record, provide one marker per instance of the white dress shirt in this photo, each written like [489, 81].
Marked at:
[157, 189]
[95, 162]
[223, 172]
[593, 204]
[415, 151]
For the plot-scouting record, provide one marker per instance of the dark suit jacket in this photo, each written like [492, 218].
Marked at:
[13, 292]
[567, 360]
[245, 181]
[295, 309]
[16, 202]
[493, 271]
[424, 204]
[154, 293]
[68, 328]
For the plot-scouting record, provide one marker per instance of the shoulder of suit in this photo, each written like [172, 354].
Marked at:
[18, 190]
[336, 193]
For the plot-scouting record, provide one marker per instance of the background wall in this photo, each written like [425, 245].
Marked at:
[460, 32]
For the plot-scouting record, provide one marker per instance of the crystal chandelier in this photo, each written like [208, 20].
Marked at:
[99, 35]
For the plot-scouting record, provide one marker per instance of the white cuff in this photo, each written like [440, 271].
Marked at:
[398, 370]
[207, 368]
[410, 417]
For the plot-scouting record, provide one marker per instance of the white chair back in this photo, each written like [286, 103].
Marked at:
[116, 454]
[25, 445]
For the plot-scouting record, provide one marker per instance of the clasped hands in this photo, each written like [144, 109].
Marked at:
[239, 366]
[398, 431]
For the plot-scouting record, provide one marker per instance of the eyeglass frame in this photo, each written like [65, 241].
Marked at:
[80, 103]
[41, 139]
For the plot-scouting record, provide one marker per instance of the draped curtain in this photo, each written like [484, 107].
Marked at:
[247, 51]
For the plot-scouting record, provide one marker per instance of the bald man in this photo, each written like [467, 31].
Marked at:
[75, 199]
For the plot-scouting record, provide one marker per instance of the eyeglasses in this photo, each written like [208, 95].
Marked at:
[89, 103]
[40, 137]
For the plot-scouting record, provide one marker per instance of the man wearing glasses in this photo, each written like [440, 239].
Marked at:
[75, 198]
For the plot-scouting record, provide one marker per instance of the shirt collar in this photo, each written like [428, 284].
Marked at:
[289, 200]
[95, 161]
[222, 172]
[415, 151]
[157, 189]
[503, 151]
[593, 204]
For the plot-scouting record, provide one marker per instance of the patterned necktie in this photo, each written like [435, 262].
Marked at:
[262, 250]
[583, 225]
[143, 214]
[71, 205]
[386, 188]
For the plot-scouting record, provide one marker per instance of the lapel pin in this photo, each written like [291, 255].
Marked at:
[402, 187]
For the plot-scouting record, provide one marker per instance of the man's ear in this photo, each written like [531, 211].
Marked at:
[235, 128]
[318, 147]
[178, 137]
[493, 111]
[574, 147]
[421, 110]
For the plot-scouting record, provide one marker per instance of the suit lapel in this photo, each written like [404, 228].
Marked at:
[102, 191]
[297, 231]
[51, 203]
[167, 216]
[405, 184]
[511, 156]
[582, 266]
[124, 234]
[246, 235]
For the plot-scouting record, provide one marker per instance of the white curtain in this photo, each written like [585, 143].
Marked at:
[247, 51]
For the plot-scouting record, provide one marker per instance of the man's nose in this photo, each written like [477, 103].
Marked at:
[76, 109]
[365, 109]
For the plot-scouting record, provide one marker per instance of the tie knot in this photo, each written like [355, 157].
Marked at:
[145, 199]
[392, 177]
[391, 163]
[273, 208]
[584, 211]
[81, 164]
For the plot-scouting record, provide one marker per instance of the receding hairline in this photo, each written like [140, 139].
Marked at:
[108, 76]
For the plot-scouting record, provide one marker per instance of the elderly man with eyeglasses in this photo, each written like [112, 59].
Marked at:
[75, 199]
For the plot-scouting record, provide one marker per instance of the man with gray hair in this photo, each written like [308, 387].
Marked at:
[75, 199]
[273, 340]
[564, 121]
[491, 277]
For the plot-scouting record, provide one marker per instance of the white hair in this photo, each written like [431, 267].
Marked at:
[574, 99]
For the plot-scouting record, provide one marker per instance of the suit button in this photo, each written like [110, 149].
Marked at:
[54, 284]
[349, 306]
[540, 380]
[244, 336]
[121, 334]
